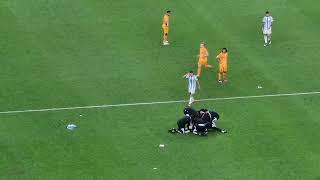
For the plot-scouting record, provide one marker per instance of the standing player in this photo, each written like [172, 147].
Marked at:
[192, 85]
[266, 28]
[223, 62]
[165, 27]
[203, 58]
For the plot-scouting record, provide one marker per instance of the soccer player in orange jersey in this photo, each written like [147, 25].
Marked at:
[203, 58]
[165, 27]
[223, 62]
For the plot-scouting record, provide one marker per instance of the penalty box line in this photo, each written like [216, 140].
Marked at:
[159, 102]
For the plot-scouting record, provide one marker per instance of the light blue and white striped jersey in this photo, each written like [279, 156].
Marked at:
[192, 80]
[267, 22]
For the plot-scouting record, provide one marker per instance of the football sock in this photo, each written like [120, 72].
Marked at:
[190, 100]
[265, 39]
[269, 38]
[219, 76]
[181, 130]
[224, 76]
[199, 71]
[218, 129]
[165, 38]
[208, 66]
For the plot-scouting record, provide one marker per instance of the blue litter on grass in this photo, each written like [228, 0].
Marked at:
[71, 126]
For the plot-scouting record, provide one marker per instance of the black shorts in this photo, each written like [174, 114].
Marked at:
[201, 128]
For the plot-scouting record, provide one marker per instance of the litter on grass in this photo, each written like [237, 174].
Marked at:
[71, 126]
[161, 145]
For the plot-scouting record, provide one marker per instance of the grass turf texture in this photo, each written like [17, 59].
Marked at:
[76, 53]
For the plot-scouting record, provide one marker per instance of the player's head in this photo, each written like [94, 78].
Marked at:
[224, 50]
[191, 73]
[202, 44]
[189, 111]
[203, 110]
[267, 13]
[168, 13]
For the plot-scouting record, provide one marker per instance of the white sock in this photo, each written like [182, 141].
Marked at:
[265, 39]
[190, 100]
[182, 130]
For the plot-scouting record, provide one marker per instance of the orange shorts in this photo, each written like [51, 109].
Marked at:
[203, 62]
[223, 68]
[165, 29]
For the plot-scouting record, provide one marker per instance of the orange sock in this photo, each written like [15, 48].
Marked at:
[199, 71]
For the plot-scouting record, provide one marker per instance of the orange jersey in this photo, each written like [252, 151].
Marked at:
[223, 58]
[165, 21]
[203, 53]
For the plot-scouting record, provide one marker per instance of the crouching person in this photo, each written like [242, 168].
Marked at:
[200, 127]
[183, 125]
[211, 118]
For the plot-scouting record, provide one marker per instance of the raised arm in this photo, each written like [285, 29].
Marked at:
[185, 76]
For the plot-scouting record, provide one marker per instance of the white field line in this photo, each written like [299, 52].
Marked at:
[159, 102]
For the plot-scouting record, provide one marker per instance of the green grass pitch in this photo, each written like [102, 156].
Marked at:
[62, 53]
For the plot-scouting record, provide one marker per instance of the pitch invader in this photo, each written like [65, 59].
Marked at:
[165, 27]
[192, 85]
[267, 28]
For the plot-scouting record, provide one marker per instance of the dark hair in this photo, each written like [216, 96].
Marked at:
[267, 12]
[225, 49]
[191, 72]
[168, 11]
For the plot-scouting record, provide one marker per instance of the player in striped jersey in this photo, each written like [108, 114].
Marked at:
[266, 28]
[192, 85]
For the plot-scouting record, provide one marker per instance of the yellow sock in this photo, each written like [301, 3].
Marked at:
[219, 76]
[209, 66]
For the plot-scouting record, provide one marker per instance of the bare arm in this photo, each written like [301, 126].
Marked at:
[184, 76]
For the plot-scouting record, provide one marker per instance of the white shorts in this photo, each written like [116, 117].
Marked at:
[267, 32]
[192, 91]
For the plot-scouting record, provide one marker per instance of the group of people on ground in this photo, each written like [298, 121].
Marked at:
[198, 122]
